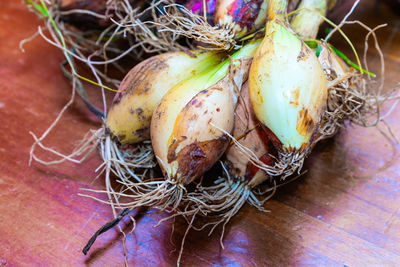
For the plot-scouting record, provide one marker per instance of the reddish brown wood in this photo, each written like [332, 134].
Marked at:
[345, 211]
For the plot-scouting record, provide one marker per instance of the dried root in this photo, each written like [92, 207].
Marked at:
[223, 200]
[287, 163]
[165, 195]
[130, 165]
[180, 21]
[145, 27]
[169, 22]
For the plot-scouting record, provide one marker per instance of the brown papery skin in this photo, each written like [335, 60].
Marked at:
[250, 133]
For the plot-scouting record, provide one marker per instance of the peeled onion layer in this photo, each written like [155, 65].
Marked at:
[186, 125]
[129, 117]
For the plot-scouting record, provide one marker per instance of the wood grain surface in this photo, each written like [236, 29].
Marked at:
[344, 211]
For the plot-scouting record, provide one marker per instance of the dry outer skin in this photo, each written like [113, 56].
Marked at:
[329, 60]
[143, 87]
[248, 132]
[184, 140]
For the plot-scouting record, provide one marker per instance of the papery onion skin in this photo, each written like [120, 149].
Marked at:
[330, 60]
[128, 119]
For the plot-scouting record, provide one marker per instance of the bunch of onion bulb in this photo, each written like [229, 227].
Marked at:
[187, 131]
[276, 121]
[187, 109]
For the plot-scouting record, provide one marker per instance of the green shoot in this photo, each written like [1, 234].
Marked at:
[315, 44]
[250, 36]
[328, 31]
[38, 8]
[46, 13]
[345, 58]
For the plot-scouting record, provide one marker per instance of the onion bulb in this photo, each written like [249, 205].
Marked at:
[246, 158]
[183, 136]
[287, 85]
[128, 119]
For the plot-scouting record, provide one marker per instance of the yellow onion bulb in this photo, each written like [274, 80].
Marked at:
[188, 125]
[128, 119]
[288, 88]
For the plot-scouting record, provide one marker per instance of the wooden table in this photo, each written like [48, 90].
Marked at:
[345, 211]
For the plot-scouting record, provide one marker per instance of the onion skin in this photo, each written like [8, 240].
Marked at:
[129, 117]
[242, 16]
[288, 88]
[330, 60]
[334, 67]
[256, 140]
